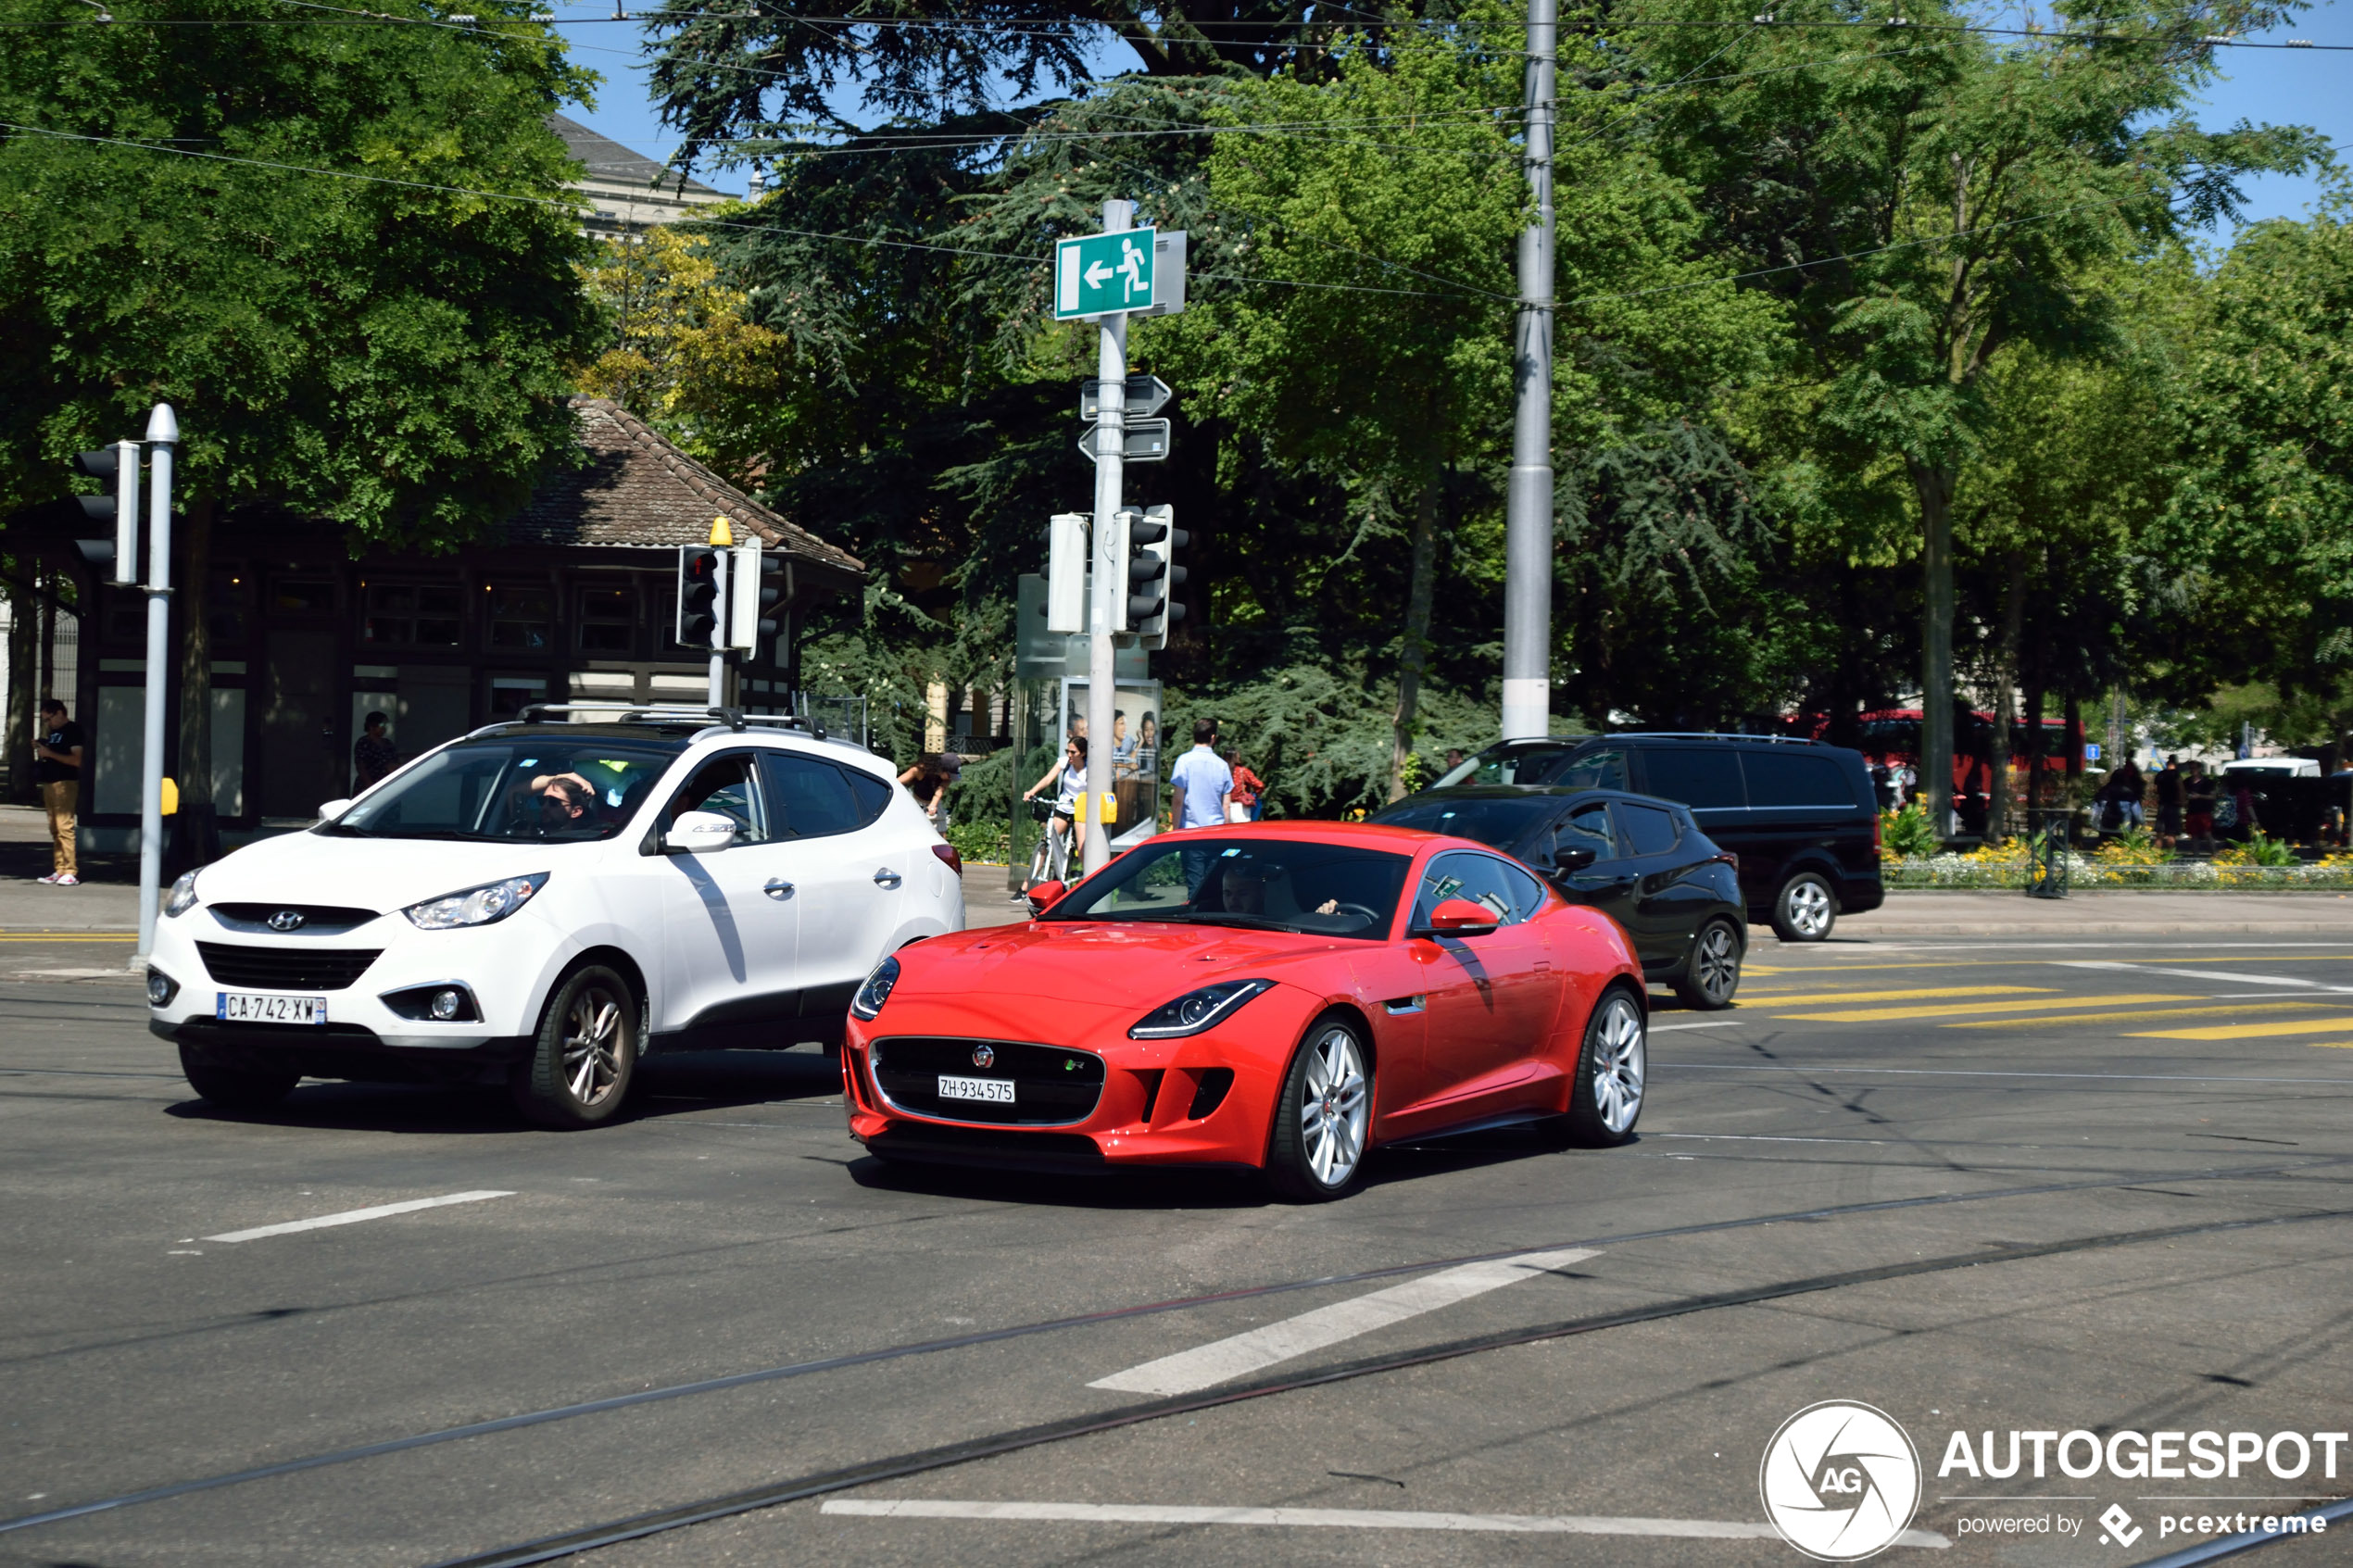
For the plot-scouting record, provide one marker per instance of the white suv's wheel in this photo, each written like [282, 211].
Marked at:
[585, 1054]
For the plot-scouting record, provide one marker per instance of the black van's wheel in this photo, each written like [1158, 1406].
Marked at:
[1714, 974]
[1805, 908]
[585, 1054]
[236, 1088]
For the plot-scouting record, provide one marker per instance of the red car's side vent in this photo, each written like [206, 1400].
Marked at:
[1151, 1091]
[1211, 1092]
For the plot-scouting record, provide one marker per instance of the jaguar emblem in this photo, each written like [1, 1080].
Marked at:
[286, 920]
[984, 1056]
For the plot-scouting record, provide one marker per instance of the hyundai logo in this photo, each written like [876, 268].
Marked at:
[286, 920]
[984, 1056]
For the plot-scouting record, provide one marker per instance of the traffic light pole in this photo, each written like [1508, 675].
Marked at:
[163, 435]
[1110, 575]
[1528, 527]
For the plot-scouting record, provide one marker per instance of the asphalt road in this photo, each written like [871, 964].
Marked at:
[2099, 1184]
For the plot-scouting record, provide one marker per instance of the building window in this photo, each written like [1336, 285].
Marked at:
[412, 615]
[225, 608]
[510, 693]
[520, 618]
[303, 595]
[606, 620]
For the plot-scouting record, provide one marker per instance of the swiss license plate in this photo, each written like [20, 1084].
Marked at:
[999, 1091]
[265, 1007]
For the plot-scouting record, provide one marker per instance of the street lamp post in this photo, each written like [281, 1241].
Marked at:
[163, 435]
[1528, 527]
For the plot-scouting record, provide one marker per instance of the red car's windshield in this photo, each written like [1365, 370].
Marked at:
[1263, 883]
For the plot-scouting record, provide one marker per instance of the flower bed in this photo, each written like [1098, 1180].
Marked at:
[2004, 868]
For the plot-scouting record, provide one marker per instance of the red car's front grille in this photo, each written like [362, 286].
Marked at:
[1051, 1086]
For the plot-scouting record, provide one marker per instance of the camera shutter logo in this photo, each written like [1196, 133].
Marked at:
[1839, 1481]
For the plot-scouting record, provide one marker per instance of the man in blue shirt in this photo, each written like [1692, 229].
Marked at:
[1202, 781]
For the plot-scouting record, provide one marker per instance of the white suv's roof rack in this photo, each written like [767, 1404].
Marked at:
[732, 718]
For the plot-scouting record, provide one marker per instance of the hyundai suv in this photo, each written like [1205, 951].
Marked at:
[543, 903]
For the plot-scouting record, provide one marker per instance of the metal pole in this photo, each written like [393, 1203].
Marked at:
[719, 632]
[1110, 576]
[163, 435]
[1528, 525]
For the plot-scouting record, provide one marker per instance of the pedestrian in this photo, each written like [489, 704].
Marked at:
[1249, 798]
[1201, 782]
[2197, 801]
[928, 779]
[1453, 757]
[2130, 790]
[373, 755]
[2169, 801]
[57, 768]
[1907, 783]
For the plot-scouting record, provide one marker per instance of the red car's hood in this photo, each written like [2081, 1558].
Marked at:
[1086, 963]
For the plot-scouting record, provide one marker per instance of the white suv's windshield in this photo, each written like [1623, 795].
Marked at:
[526, 787]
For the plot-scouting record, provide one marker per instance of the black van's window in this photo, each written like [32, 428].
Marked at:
[1697, 776]
[1790, 778]
[1592, 770]
[1649, 830]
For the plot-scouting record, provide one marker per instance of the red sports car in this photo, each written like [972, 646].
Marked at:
[1281, 997]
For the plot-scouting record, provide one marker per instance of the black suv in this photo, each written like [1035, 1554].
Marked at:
[1801, 816]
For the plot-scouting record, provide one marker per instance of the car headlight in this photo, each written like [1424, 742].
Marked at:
[487, 904]
[183, 896]
[876, 991]
[1197, 1010]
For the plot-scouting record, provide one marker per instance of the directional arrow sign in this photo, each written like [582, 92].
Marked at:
[1146, 441]
[1146, 396]
[1103, 274]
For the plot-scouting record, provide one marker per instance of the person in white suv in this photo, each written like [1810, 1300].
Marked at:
[542, 904]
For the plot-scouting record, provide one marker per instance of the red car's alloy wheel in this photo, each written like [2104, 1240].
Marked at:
[1325, 1117]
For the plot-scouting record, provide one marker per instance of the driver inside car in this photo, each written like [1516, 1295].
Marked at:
[1243, 888]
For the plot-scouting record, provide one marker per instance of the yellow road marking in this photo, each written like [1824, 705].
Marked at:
[122, 936]
[1829, 967]
[2130, 1017]
[1875, 1015]
[2246, 1031]
[1806, 998]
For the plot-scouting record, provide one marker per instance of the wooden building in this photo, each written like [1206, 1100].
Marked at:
[572, 599]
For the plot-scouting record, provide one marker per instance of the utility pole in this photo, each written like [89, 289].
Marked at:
[163, 435]
[1111, 574]
[1527, 526]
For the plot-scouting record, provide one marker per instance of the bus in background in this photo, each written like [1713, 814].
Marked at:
[1888, 739]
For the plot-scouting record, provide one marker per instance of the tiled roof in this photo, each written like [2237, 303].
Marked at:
[638, 489]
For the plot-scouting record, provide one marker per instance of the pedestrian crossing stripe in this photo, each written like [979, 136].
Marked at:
[2228, 1008]
[1809, 999]
[1890, 1015]
[2250, 1031]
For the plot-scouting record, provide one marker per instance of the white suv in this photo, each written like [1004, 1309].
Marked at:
[541, 904]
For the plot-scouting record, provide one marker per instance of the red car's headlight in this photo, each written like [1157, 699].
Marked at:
[1197, 1010]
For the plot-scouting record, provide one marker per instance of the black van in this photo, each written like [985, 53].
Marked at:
[1800, 815]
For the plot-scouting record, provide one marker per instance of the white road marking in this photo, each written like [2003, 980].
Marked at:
[1276, 1342]
[353, 1216]
[1328, 1518]
[2201, 975]
[1716, 1023]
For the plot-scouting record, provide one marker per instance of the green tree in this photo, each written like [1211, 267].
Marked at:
[298, 236]
[1927, 207]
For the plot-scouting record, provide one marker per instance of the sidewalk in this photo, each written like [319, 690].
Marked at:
[2106, 913]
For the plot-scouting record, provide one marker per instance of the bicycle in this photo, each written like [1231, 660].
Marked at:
[1050, 861]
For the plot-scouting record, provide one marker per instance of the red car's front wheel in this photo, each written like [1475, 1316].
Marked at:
[1325, 1117]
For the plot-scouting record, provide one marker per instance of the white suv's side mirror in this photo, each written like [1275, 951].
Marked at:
[699, 833]
[334, 808]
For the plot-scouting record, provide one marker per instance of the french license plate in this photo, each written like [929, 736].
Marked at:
[999, 1091]
[265, 1006]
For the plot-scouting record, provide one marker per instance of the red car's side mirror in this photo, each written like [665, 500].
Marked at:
[1459, 917]
[1043, 894]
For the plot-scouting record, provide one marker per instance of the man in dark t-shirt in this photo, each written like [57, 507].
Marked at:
[57, 768]
[2169, 802]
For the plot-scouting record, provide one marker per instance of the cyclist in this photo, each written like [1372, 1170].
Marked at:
[1071, 773]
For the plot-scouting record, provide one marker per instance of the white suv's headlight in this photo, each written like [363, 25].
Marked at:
[485, 905]
[183, 896]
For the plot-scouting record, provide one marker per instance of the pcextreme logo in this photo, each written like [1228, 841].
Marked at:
[1841, 1481]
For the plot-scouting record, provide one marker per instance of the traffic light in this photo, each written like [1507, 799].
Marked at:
[1147, 542]
[698, 605]
[1067, 572]
[118, 464]
[752, 592]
